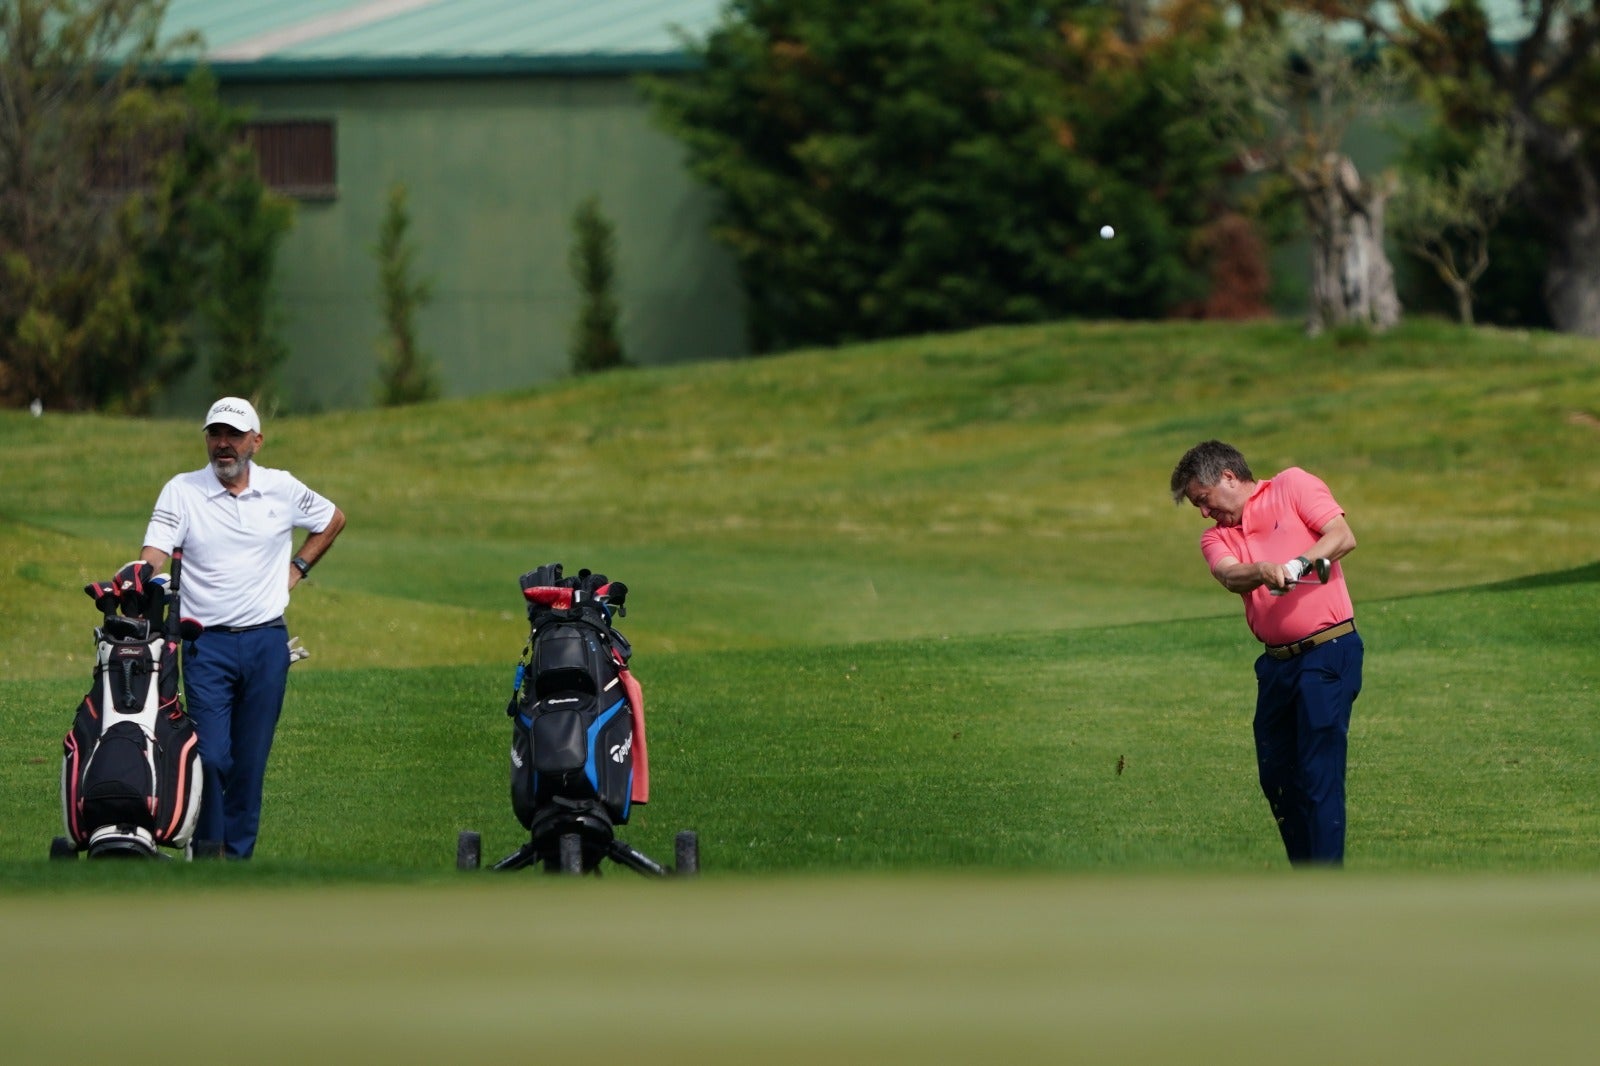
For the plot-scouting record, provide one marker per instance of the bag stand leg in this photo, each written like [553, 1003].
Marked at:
[526, 855]
[569, 856]
[635, 859]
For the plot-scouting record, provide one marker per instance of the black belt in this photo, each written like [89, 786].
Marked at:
[1321, 636]
[276, 623]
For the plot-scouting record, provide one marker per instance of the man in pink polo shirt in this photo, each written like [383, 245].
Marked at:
[1264, 546]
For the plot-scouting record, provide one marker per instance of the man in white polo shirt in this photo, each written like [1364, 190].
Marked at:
[234, 521]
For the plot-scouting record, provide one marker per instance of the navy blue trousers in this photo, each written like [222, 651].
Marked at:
[1302, 728]
[234, 685]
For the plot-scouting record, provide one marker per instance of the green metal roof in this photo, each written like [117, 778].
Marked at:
[249, 39]
[286, 39]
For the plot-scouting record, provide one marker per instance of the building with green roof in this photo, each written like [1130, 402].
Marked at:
[500, 117]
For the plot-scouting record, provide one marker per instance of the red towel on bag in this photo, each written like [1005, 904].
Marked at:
[641, 760]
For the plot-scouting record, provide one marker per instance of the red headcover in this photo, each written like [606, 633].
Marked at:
[549, 596]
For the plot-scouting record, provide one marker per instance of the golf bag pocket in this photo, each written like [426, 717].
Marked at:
[119, 779]
[570, 659]
[560, 743]
[570, 747]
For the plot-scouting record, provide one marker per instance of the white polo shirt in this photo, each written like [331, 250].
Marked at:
[236, 549]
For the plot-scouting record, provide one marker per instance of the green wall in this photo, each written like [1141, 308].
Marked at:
[495, 168]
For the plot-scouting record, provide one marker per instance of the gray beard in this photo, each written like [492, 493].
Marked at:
[229, 469]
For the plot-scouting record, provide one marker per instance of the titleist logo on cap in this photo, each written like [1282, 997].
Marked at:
[235, 412]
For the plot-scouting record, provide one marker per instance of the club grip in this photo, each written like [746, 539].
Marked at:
[174, 619]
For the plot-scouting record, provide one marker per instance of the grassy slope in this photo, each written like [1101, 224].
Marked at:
[833, 497]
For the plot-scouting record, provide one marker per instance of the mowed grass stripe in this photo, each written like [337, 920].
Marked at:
[1474, 747]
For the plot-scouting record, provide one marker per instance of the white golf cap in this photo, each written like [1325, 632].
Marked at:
[232, 411]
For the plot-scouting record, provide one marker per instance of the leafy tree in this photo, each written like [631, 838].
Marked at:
[197, 242]
[596, 344]
[1446, 219]
[1537, 75]
[240, 311]
[160, 252]
[914, 165]
[133, 225]
[234, 225]
[1286, 94]
[405, 372]
[72, 106]
[1239, 274]
[1135, 111]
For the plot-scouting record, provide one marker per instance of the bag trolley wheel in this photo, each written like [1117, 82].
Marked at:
[469, 850]
[686, 853]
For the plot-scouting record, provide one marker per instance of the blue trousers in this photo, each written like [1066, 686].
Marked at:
[234, 685]
[1302, 728]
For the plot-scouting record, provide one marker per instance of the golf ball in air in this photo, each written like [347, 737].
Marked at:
[1106, 233]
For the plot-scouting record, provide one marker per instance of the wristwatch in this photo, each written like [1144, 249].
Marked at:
[300, 565]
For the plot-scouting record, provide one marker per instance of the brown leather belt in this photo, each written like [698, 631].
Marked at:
[1322, 636]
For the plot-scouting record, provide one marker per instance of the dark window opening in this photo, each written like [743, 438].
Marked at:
[294, 158]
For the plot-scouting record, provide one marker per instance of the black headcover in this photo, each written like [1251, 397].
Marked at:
[547, 576]
[134, 591]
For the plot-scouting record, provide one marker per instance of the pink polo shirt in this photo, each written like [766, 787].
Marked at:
[1283, 518]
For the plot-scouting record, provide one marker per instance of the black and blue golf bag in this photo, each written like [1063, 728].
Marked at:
[578, 760]
[130, 770]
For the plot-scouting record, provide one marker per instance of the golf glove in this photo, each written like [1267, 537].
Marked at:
[297, 651]
[1291, 573]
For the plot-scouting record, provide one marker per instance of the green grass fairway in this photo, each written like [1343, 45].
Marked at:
[934, 668]
[1309, 970]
